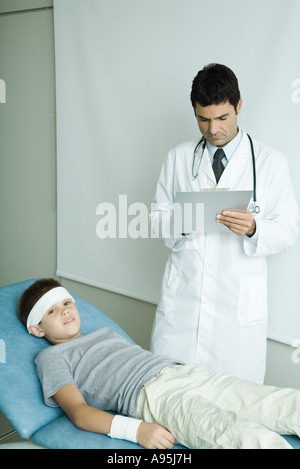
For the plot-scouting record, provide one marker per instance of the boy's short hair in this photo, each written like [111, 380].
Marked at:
[32, 294]
[215, 84]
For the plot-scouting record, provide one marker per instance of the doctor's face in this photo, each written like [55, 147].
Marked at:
[218, 122]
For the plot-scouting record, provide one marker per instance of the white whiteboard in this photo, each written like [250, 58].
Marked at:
[124, 71]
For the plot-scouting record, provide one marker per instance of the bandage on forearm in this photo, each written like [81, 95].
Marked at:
[124, 428]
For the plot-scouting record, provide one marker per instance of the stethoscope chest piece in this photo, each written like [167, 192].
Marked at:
[254, 208]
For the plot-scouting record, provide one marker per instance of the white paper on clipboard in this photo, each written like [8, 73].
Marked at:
[195, 212]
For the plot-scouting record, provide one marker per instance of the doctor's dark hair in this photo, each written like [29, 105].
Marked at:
[215, 84]
[32, 294]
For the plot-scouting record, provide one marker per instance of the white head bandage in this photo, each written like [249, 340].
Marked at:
[44, 303]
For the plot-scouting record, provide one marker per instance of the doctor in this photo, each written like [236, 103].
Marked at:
[213, 304]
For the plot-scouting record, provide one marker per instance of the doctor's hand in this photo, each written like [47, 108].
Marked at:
[240, 223]
[153, 436]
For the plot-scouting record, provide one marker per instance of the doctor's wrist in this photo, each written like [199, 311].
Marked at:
[252, 230]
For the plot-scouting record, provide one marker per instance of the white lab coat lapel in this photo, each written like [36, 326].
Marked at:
[238, 173]
[208, 171]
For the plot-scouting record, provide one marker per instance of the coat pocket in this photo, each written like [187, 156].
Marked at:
[252, 307]
[170, 284]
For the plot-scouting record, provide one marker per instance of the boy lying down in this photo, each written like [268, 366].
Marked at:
[157, 401]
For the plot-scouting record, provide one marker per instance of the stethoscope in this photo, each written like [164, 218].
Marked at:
[254, 207]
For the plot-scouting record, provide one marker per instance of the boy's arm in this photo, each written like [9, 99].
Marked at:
[88, 418]
[85, 417]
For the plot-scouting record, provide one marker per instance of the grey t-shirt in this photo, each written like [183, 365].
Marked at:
[108, 370]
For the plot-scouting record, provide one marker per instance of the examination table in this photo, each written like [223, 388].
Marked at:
[21, 399]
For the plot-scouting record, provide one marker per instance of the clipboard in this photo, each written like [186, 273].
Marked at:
[195, 212]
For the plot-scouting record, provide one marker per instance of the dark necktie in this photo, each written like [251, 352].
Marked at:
[218, 166]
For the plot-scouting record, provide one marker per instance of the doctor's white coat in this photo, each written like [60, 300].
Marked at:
[213, 304]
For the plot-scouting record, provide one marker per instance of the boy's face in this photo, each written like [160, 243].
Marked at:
[59, 324]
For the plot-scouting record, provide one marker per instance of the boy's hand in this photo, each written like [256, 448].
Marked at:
[153, 436]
